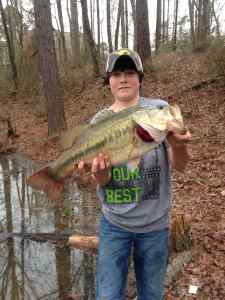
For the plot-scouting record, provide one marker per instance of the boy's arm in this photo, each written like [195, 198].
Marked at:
[178, 150]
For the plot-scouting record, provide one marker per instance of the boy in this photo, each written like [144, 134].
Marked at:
[143, 222]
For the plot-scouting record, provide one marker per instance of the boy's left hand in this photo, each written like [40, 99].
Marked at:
[177, 140]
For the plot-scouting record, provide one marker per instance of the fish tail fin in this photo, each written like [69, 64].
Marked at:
[43, 181]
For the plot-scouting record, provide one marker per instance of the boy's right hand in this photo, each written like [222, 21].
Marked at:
[100, 169]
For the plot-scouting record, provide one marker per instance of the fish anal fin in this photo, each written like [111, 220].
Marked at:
[56, 190]
[43, 181]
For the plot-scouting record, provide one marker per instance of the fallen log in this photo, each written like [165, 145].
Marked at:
[177, 265]
[195, 87]
[181, 235]
[89, 242]
[180, 238]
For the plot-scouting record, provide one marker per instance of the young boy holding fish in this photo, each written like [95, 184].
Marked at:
[135, 196]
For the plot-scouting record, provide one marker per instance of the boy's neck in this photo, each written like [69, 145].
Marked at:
[120, 105]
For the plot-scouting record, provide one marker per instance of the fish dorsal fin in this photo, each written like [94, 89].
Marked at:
[69, 137]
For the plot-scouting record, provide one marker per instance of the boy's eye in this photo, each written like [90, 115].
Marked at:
[126, 72]
[130, 72]
[116, 74]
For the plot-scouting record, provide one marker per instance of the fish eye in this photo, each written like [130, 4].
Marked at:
[160, 107]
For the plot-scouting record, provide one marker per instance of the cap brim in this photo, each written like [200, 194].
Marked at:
[122, 62]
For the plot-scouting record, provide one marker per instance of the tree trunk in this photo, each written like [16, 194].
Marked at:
[163, 21]
[10, 24]
[10, 48]
[89, 37]
[109, 34]
[74, 33]
[126, 25]
[98, 29]
[62, 34]
[203, 24]
[48, 66]
[216, 20]
[68, 11]
[143, 35]
[133, 6]
[175, 25]
[123, 30]
[158, 26]
[18, 20]
[192, 25]
[91, 17]
[118, 24]
[199, 20]
[168, 20]
[206, 21]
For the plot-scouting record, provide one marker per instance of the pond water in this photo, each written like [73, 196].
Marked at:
[35, 260]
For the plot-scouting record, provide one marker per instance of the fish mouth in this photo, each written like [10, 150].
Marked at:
[143, 134]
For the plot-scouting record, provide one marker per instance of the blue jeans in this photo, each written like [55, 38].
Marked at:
[150, 262]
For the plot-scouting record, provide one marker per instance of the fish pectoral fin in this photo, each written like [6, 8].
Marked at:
[133, 157]
[133, 163]
[69, 137]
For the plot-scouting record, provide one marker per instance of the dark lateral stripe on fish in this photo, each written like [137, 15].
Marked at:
[80, 155]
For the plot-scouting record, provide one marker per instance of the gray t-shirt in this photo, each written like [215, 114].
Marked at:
[139, 199]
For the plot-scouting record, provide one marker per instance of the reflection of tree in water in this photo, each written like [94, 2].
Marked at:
[29, 270]
[9, 275]
[62, 256]
[18, 174]
[82, 280]
[88, 259]
[89, 278]
[11, 285]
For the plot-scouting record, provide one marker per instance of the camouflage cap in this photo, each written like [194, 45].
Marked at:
[117, 56]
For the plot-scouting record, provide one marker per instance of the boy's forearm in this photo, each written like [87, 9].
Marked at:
[179, 157]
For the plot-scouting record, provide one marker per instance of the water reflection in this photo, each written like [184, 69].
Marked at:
[33, 267]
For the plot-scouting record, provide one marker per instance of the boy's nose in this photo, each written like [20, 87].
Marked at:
[123, 77]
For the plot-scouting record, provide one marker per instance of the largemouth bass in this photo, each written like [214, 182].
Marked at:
[124, 136]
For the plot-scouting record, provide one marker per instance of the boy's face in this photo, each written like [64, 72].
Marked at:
[124, 85]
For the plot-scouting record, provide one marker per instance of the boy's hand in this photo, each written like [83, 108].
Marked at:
[100, 169]
[178, 140]
[178, 150]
